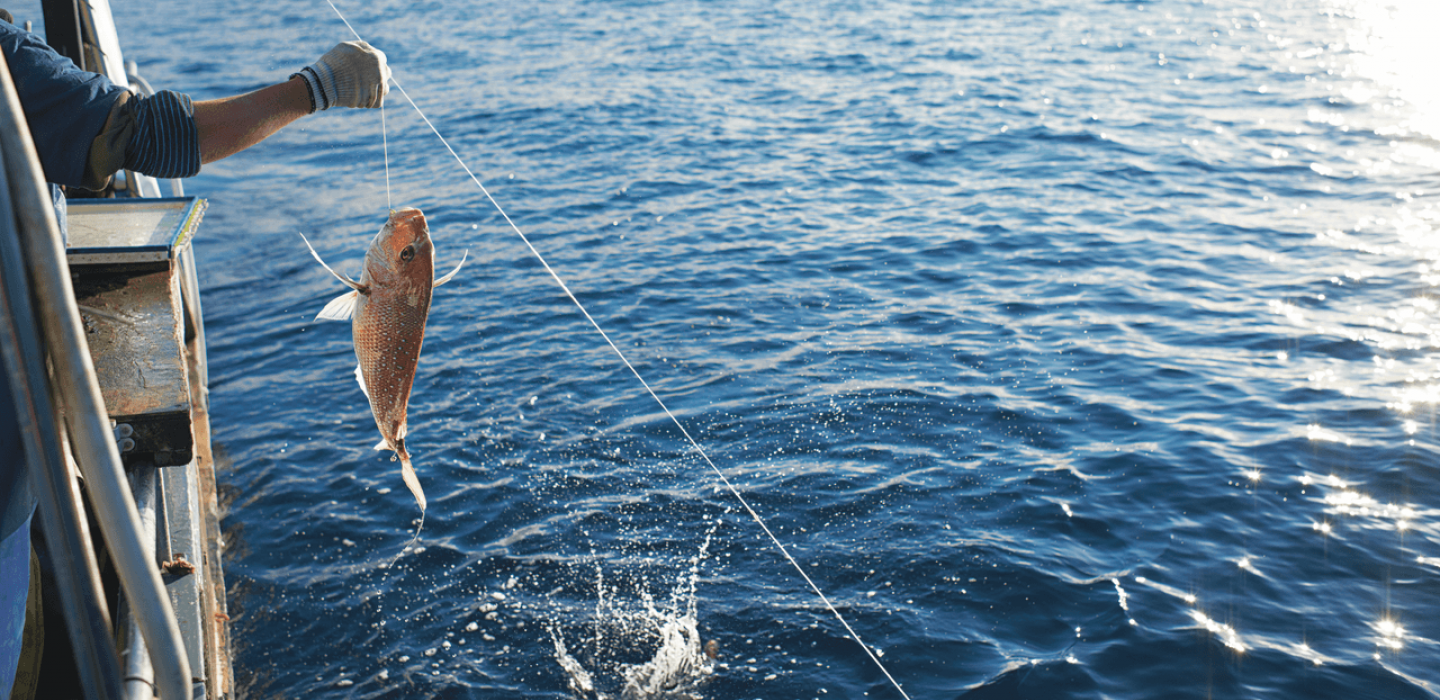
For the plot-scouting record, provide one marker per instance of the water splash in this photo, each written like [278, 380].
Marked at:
[579, 678]
[635, 647]
[678, 664]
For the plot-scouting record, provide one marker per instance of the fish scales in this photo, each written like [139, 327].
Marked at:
[389, 328]
[388, 309]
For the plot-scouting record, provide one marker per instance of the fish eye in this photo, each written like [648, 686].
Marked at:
[408, 254]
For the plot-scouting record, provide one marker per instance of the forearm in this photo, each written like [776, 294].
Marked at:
[229, 125]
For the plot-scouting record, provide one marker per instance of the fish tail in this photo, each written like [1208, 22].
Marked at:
[408, 473]
[411, 480]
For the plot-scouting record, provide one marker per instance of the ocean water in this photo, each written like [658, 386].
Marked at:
[1074, 349]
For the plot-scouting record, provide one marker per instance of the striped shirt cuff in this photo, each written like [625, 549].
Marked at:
[166, 143]
[312, 81]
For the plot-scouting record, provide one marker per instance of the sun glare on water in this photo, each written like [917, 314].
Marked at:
[1395, 45]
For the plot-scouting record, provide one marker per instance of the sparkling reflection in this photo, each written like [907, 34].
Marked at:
[1303, 649]
[1375, 342]
[1390, 634]
[1319, 434]
[1170, 590]
[1345, 500]
[1226, 633]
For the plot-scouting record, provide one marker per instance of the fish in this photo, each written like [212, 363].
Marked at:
[387, 309]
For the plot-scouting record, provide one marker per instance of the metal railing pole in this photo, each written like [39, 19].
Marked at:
[67, 536]
[139, 672]
[79, 394]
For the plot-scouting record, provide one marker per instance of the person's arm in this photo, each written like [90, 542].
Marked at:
[353, 74]
[167, 135]
[232, 124]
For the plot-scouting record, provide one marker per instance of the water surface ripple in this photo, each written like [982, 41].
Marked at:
[1078, 349]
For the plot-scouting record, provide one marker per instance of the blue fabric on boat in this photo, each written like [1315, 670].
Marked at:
[17, 507]
[64, 106]
[67, 107]
[14, 591]
[17, 501]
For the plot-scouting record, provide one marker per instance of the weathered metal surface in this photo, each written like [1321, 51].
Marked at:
[181, 489]
[133, 324]
[214, 618]
[130, 261]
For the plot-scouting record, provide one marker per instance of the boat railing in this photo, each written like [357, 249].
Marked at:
[62, 411]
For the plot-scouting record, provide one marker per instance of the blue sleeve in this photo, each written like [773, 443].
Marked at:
[166, 142]
[66, 107]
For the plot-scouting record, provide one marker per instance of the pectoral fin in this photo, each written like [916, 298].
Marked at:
[360, 377]
[340, 308]
[348, 282]
[450, 276]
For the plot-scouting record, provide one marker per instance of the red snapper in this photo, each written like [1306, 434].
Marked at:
[387, 310]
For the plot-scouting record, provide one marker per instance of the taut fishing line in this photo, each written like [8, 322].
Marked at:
[699, 450]
[385, 142]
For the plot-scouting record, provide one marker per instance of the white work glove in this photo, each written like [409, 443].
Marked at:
[353, 74]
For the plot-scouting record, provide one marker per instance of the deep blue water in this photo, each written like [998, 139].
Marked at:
[1076, 349]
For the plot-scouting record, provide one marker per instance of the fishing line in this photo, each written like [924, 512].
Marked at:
[385, 142]
[693, 443]
[407, 547]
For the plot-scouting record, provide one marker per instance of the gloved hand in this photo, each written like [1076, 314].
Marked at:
[353, 74]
